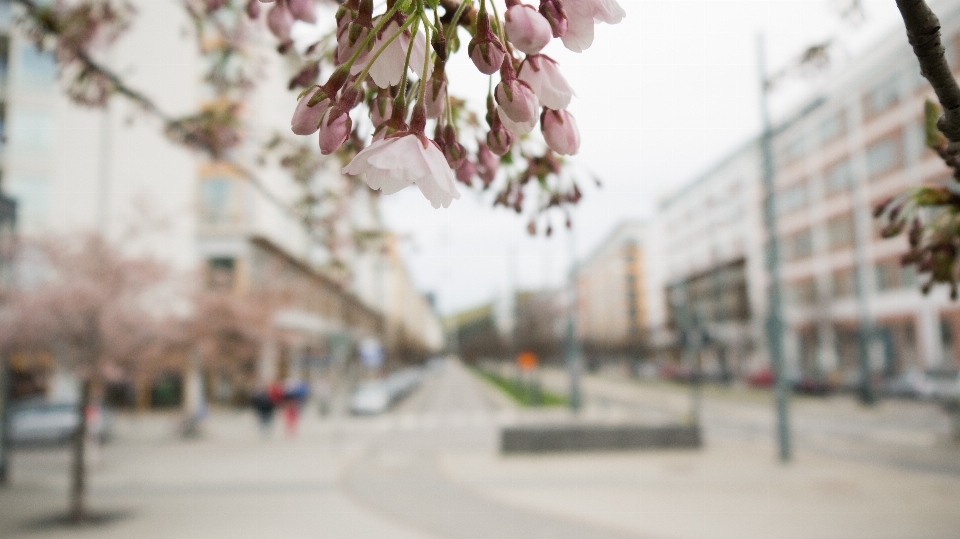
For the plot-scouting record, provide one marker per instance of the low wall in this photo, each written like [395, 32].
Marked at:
[564, 438]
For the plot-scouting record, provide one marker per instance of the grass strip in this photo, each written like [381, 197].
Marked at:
[525, 394]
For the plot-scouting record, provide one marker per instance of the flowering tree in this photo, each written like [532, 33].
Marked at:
[101, 314]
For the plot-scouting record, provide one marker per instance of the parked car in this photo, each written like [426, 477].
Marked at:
[910, 385]
[944, 385]
[813, 385]
[761, 378]
[371, 398]
[401, 383]
[43, 423]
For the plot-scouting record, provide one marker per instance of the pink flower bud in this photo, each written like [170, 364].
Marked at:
[487, 164]
[485, 49]
[466, 172]
[499, 140]
[253, 9]
[279, 21]
[553, 11]
[334, 132]
[452, 149]
[528, 30]
[517, 100]
[560, 131]
[306, 119]
[435, 97]
[302, 10]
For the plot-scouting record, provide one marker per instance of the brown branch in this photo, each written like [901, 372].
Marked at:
[923, 32]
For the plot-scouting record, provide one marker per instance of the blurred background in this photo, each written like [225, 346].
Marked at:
[400, 371]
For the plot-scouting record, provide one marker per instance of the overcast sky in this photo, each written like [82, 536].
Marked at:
[660, 97]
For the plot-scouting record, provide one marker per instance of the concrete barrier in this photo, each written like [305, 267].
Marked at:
[566, 438]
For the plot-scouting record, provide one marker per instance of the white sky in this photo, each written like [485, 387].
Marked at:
[660, 97]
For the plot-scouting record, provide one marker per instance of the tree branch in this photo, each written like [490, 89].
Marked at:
[923, 32]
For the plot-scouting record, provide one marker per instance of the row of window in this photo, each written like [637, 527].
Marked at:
[839, 233]
[888, 275]
[881, 157]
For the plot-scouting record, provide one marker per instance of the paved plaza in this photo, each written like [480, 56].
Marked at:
[431, 469]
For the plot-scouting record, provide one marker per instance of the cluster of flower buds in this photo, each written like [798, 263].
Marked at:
[394, 63]
[281, 16]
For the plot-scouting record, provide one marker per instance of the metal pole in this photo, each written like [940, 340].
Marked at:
[5, 387]
[573, 344]
[774, 321]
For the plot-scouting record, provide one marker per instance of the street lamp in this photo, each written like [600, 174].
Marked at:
[573, 344]
[774, 321]
[8, 220]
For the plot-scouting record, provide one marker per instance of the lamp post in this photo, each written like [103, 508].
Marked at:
[8, 219]
[573, 344]
[774, 321]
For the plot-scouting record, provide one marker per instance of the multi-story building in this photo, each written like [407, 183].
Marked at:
[710, 266]
[856, 143]
[612, 292]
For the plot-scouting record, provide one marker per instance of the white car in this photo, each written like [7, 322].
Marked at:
[371, 398]
[38, 422]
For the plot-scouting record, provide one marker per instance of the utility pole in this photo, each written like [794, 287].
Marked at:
[573, 344]
[774, 321]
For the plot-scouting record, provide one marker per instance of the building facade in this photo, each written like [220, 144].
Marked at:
[855, 144]
[612, 294]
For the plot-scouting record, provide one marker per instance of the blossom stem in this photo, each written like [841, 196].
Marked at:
[500, 29]
[406, 62]
[456, 18]
[426, 59]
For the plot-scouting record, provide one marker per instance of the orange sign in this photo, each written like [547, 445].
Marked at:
[527, 361]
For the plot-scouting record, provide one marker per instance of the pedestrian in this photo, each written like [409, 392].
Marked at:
[264, 406]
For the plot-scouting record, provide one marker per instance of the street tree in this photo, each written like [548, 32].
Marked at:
[103, 315]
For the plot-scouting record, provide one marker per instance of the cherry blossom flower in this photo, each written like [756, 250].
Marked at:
[528, 30]
[306, 119]
[387, 70]
[466, 172]
[542, 74]
[395, 162]
[334, 131]
[581, 15]
[560, 131]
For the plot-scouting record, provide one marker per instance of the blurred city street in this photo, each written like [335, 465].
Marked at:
[430, 468]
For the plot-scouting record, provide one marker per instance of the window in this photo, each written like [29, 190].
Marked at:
[795, 149]
[802, 292]
[215, 196]
[882, 156]
[892, 275]
[843, 283]
[38, 68]
[840, 231]
[221, 272]
[883, 95]
[839, 177]
[32, 131]
[799, 245]
[792, 198]
[831, 127]
[33, 198]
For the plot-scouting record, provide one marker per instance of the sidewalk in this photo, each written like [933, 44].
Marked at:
[725, 491]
